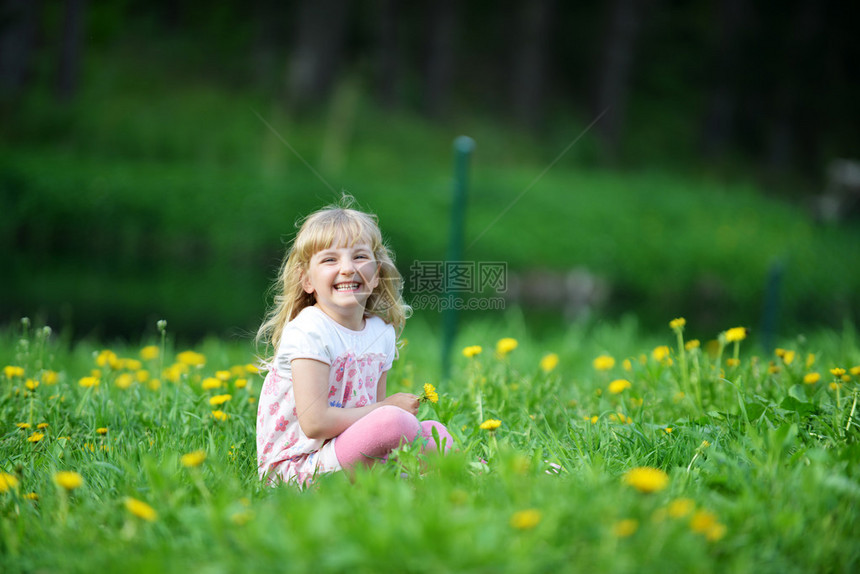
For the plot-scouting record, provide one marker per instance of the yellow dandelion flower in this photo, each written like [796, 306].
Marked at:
[142, 376]
[625, 528]
[252, 369]
[692, 344]
[619, 385]
[210, 383]
[810, 360]
[788, 357]
[491, 424]
[42, 425]
[603, 363]
[31, 384]
[627, 365]
[811, 378]
[505, 346]
[35, 437]
[132, 364]
[87, 382]
[834, 386]
[140, 509]
[549, 362]
[472, 351]
[430, 393]
[124, 381]
[220, 415]
[150, 352]
[660, 353]
[7, 482]
[837, 372]
[732, 362]
[31, 496]
[219, 399]
[153, 384]
[715, 532]
[107, 358]
[12, 371]
[174, 372]
[68, 479]
[102, 430]
[525, 519]
[678, 323]
[681, 507]
[668, 430]
[705, 444]
[223, 375]
[855, 371]
[50, 377]
[646, 479]
[192, 459]
[191, 358]
[238, 371]
[241, 383]
[702, 521]
[593, 419]
[23, 425]
[736, 334]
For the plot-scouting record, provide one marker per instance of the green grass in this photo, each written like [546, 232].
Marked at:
[160, 197]
[769, 463]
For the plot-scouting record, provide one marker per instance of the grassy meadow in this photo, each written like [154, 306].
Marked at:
[597, 449]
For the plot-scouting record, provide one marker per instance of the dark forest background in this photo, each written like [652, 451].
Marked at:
[136, 169]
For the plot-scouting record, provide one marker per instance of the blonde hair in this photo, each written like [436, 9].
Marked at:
[333, 226]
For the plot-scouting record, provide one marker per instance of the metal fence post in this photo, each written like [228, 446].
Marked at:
[463, 147]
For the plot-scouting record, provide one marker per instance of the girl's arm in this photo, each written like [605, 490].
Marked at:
[321, 421]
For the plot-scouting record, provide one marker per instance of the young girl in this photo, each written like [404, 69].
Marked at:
[337, 313]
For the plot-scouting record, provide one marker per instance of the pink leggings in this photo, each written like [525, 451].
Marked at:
[372, 437]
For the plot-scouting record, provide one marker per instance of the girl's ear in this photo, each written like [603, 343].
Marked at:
[306, 284]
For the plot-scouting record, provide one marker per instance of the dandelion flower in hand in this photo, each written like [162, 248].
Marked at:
[429, 394]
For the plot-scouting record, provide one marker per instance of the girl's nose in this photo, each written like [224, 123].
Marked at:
[347, 266]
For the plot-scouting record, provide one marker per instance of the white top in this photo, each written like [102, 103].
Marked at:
[357, 359]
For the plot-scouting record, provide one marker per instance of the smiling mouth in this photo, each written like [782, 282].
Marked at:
[351, 286]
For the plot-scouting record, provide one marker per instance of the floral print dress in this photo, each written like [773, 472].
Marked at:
[357, 359]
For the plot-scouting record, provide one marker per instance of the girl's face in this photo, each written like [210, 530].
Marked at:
[342, 279]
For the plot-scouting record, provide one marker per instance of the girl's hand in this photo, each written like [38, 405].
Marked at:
[406, 401]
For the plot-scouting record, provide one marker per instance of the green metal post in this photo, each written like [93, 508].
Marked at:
[463, 147]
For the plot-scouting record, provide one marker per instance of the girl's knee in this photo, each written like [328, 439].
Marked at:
[436, 435]
[391, 419]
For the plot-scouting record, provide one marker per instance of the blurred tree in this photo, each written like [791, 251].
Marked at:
[726, 49]
[316, 54]
[441, 45]
[530, 61]
[613, 74]
[793, 95]
[387, 66]
[18, 24]
[70, 49]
